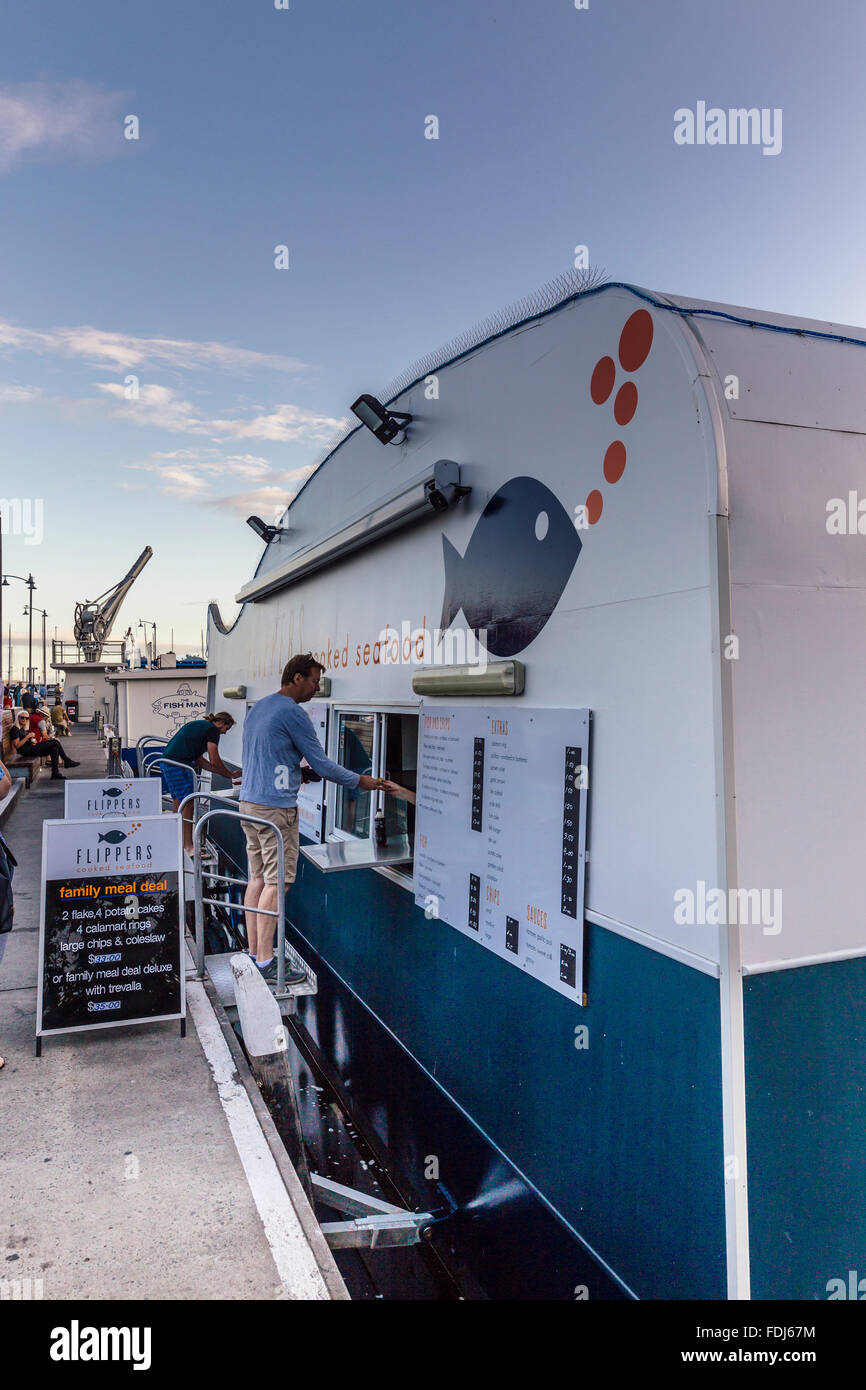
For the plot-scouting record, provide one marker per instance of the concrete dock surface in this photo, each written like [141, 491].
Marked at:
[130, 1163]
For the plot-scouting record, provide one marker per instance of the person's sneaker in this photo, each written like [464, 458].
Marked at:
[70, 762]
[293, 977]
[57, 777]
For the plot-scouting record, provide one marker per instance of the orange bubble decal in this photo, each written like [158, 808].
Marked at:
[635, 341]
[625, 404]
[594, 504]
[614, 462]
[603, 375]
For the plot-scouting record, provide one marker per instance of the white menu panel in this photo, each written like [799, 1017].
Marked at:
[500, 836]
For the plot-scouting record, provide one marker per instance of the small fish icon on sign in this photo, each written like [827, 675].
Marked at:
[112, 791]
[114, 837]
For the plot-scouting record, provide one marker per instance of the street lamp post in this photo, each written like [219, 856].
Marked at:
[44, 655]
[145, 623]
[31, 585]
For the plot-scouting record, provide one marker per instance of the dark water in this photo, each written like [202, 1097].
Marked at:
[336, 1148]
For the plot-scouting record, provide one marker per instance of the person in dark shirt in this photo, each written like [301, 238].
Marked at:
[27, 745]
[196, 745]
[28, 699]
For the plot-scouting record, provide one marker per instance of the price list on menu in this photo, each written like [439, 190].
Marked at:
[501, 833]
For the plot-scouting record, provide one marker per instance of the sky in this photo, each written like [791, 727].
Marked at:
[161, 377]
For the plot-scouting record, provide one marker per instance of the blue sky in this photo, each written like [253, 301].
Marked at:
[260, 127]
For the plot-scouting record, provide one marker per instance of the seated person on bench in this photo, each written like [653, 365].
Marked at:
[29, 745]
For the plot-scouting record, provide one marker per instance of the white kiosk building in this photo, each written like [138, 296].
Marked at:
[646, 508]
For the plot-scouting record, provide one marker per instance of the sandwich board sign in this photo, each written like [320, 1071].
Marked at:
[111, 796]
[111, 924]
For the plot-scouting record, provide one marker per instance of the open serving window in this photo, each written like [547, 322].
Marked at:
[378, 743]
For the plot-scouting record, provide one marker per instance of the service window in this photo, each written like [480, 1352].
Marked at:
[380, 743]
[356, 749]
[400, 765]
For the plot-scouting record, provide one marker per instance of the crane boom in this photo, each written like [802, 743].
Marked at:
[94, 617]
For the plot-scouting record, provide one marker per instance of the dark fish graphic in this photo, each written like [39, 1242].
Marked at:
[114, 837]
[112, 791]
[509, 581]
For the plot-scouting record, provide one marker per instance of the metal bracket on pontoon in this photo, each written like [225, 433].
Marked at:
[376, 1223]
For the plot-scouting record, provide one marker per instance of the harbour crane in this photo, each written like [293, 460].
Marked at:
[94, 617]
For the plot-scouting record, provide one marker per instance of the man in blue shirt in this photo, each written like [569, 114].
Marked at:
[277, 735]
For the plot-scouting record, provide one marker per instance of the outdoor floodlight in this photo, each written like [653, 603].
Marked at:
[385, 424]
[262, 529]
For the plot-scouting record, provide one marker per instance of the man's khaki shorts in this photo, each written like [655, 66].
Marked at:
[262, 844]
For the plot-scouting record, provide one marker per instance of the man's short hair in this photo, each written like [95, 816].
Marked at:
[302, 665]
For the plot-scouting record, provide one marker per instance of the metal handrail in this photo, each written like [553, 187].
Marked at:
[197, 796]
[200, 900]
[147, 759]
[172, 762]
[147, 738]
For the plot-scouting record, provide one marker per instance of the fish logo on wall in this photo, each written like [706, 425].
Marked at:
[516, 566]
[524, 547]
[182, 704]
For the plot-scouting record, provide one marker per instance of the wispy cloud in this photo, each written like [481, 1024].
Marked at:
[71, 120]
[128, 351]
[267, 502]
[161, 407]
[283, 423]
[14, 395]
[195, 474]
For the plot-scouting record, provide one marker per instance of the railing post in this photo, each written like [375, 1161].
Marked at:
[198, 895]
[281, 911]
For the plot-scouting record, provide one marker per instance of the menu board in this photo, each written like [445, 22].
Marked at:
[500, 834]
[110, 933]
[311, 795]
[111, 796]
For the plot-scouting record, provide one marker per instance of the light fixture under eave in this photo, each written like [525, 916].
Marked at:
[496, 678]
[234, 692]
[432, 492]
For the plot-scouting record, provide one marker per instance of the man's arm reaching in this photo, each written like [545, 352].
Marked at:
[310, 748]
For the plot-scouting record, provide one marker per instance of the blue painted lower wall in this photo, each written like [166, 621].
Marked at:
[806, 1110]
[622, 1138]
